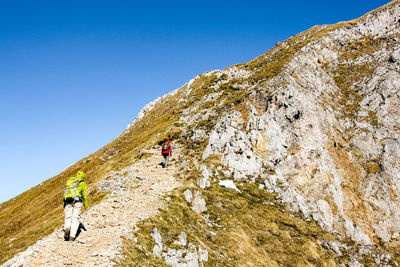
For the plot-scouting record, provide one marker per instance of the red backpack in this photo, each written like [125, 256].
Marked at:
[165, 148]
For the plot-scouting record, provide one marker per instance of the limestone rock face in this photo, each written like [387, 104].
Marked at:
[325, 132]
[235, 146]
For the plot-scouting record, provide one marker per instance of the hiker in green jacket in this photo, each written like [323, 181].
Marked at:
[75, 195]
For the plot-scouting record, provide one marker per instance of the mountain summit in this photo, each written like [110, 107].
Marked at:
[292, 159]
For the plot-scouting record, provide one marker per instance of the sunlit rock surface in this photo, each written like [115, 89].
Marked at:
[328, 128]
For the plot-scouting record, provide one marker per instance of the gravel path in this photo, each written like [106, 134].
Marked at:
[136, 194]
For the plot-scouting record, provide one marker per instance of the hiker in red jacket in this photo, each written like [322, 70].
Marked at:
[166, 151]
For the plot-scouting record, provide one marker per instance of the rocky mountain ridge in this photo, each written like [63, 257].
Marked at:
[321, 128]
[327, 125]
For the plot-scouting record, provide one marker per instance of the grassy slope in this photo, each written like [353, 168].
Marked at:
[244, 230]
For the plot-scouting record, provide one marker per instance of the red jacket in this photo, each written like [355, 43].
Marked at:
[167, 150]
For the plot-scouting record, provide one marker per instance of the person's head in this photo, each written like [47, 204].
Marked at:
[80, 175]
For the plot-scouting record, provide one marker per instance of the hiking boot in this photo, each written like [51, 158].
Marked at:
[66, 234]
[71, 238]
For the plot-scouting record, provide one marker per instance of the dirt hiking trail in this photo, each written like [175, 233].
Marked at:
[136, 194]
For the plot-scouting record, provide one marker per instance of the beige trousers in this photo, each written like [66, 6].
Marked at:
[71, 213]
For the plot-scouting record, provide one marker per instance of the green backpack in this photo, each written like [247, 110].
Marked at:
[71, 191]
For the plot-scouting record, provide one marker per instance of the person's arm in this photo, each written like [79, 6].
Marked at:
[83, 186]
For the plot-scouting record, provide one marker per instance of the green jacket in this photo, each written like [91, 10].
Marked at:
[83, 190]
[77, 192]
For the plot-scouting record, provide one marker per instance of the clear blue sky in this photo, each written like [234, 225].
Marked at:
[73, 73]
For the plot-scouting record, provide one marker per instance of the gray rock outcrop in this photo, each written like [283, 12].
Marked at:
[328, 127]
[187, 256]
